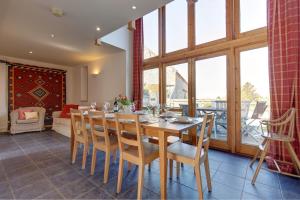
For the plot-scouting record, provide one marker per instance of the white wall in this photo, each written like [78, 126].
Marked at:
[122, 38]
[4, 86]
[108, 84]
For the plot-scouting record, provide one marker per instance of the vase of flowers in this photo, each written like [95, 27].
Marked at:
[125, 104]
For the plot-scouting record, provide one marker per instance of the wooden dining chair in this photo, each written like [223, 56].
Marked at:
[133, 149]
[102, 141]
[194, 155]
[81, 135]
[280, 130]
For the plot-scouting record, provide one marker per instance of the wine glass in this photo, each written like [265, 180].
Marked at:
[132, 107]
[106, 106]
[93, 106]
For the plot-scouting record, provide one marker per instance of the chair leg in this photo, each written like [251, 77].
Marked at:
[140, 182]
[177, 169]
[120, 174]
[85, 150]
[294, 157]
[106, 168]
[93, 165]
[262, 157]
[171, 168]
[254, 158]
[207, 174]
[74, 152]
[199, 181]
[257, 153]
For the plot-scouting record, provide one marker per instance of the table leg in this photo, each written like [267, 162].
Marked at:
[163, 163]
[71, 141]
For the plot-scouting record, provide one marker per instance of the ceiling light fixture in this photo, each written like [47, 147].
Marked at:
[52, 35]
[133, 7]
[58, 12]
[30, 52]
[98, 29]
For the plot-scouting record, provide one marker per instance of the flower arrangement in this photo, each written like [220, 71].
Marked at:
[123, 100]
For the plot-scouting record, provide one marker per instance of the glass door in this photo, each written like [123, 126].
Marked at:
[211, 94]
[254, 98]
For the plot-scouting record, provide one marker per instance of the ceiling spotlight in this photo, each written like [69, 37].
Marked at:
[58, 12]
[30, 52]
[52, 35]
[133, 7]
[98, 28]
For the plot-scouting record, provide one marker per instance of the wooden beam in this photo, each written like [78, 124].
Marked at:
[199, 50]
[191, 25]
[162, 31]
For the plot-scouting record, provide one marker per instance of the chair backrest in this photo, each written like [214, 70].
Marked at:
[220, 104]
[245, 109]
[259, 109]
[185, 109]
[123, 120]
[284, 125]
[79, 124]
[206, 130]
[98, 118]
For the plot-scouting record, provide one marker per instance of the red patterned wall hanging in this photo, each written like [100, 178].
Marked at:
[36, 86]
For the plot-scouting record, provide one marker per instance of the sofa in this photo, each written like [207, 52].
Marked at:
[61, 125]
[18, 125]
[62, 119]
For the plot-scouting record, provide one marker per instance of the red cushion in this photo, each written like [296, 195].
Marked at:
[66, 110]
[22, 113]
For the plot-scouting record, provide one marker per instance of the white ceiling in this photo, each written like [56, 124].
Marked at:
[26, 25]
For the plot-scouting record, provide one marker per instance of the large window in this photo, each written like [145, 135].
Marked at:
[177, 85]
[253, 14]
[206, 66]
[176, 25]
[150, 22]
[210, 20]
[151, 87]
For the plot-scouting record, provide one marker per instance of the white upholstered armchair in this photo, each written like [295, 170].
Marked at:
[20, 126]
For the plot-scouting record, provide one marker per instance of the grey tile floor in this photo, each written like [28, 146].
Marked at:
[37, 166]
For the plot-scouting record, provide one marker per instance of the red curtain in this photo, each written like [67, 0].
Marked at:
[284, 68]
[138, 53]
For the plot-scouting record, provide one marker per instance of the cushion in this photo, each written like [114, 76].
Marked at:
[31, 115]
[22, 113]
[66, 110]
[29, 121]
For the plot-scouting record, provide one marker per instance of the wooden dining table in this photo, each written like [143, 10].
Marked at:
[161, 129]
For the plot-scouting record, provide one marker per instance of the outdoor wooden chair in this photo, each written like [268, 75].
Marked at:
[279, 130]
[102, 141]
[257, 114]
[133, 149]
[194, 155]
[81, 135]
